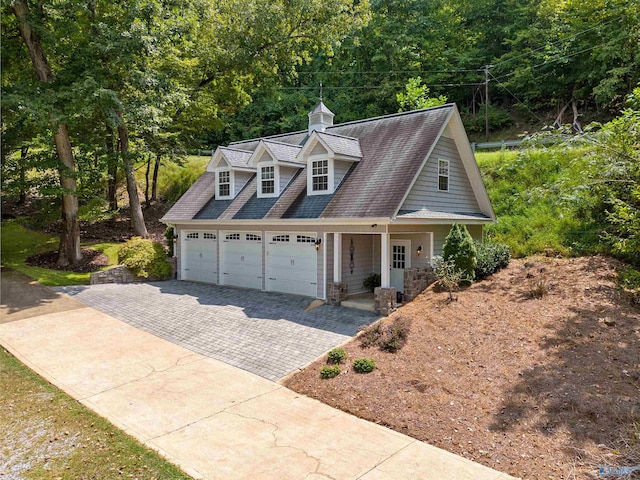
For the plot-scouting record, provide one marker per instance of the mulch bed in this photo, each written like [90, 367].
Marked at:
[92, 260]
[534, 372]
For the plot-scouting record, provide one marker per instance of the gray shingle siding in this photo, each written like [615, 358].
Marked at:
[425, 194]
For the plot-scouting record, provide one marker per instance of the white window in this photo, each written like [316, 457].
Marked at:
[280, 238]
[399, 256]
[233, 236]
[320, 175]
[209, 236]
[267, 180]
[224, 184]
[253, 238]
[443, 175]
[305, 239]
[193, 235]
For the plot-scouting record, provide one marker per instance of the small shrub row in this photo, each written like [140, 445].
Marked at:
[144, 258]
[390, 337]
[491, 257]
[336, 356]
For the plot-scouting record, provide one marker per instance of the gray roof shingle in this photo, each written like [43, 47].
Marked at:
[342, 145]
[392, 150]
[235, 156]
[188, 206]
[283, 152]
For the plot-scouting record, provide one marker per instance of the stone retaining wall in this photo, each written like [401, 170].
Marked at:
[385, 300]
[120, 274]
[336, 293]
[416, 280]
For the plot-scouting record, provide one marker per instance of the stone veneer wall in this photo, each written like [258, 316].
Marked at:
[120, 274]
[336, 293]
[416, 280]
[385, 300]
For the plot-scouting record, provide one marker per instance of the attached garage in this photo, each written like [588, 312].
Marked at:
[200, 256]
[241, 259]
[291, 265]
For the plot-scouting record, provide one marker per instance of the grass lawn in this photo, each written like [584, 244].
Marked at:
[48, 435]
[19, 243]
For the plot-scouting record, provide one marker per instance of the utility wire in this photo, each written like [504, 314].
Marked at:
[566, 56]
[316, 72]
[341, 87]
[558, 41]
[514, 96]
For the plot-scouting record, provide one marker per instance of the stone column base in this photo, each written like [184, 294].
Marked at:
[416, 280]
[336, 293]
[385, 300]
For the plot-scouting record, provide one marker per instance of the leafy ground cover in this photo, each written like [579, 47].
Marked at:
[48, 435]
[534, 371]
[20, 243]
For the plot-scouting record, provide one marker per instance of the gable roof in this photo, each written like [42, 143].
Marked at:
[393, 150]
[283, 152]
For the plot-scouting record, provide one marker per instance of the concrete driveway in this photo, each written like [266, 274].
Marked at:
[268, 334]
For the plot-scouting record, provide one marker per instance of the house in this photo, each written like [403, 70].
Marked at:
[316, 212]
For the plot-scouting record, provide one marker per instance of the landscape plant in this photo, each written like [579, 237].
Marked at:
[460, 249]
[144, 258]
[449, 275]
[336, 356]
[491, 257]
[371, 282]
[364, 365]
[327, 372]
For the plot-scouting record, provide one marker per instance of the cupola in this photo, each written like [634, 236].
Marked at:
[320, 118]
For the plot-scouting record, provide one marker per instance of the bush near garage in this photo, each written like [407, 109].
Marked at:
[145, 258]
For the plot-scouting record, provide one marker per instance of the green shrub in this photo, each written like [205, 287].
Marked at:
[144, 258]
[364, 365]
[337, 355]
[460, 248]
[491, 257]
[168, 235]
[372, 281]
[329, 372]
[629, 278]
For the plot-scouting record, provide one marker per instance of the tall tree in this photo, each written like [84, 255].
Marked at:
[69, 252]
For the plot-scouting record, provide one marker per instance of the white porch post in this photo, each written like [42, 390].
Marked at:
[337, 257]
[385, 263]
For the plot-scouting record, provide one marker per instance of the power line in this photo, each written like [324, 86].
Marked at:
[368, 72]
[343, 87]
[514, 96]
[566, 56]
[558, 41]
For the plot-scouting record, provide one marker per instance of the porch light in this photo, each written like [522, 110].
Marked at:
[419, 250]
[317, 243]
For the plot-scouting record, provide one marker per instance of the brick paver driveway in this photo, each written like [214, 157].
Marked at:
[268, 334]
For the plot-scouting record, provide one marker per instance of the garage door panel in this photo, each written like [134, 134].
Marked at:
[199, 257]
[291, 265]
[241, 259]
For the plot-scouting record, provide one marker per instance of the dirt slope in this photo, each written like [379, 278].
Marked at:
[539, 388]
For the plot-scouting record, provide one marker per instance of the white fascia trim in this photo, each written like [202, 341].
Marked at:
[441, 221]
[424, 162]
[297, 221]
[471, 167]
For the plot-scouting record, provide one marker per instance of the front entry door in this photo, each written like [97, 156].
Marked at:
[400, 259]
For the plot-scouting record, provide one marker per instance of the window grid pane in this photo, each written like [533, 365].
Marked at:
[320, 175]
[443, 175]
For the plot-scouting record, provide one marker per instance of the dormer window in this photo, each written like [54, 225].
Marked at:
[320, 175]
[268, 180]
[224, 184]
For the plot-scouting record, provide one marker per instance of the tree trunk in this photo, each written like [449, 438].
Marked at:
[69, 250]
[146, 181]
[137, 219]
[24, 150]
[112, 173]
[154, 188]
[576, 123]
[558, 120]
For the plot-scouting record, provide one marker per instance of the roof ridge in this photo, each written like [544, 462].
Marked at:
[338, 135]
[265, 139]
[235, 149]
[392, 115]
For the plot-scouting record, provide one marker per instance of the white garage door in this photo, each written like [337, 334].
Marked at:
[292, 263]
[199, 256]
[241, 259]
